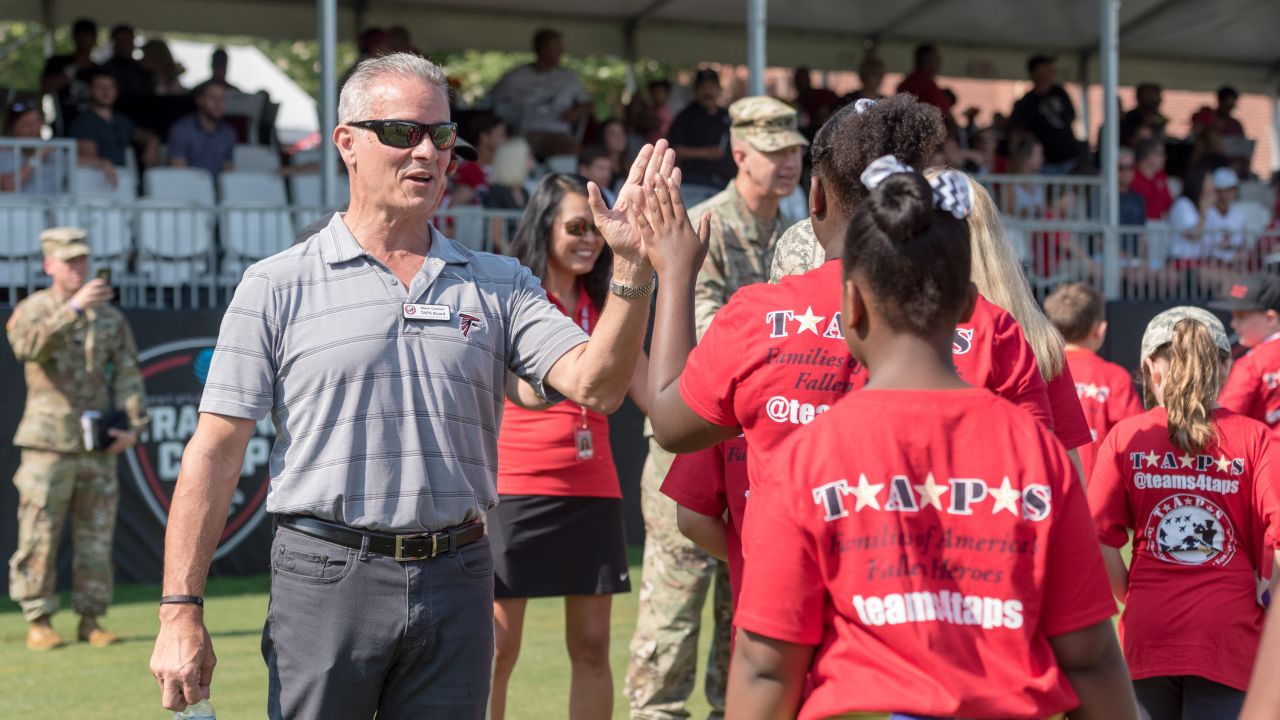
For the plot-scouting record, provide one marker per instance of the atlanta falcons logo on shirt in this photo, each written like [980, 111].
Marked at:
[466, 322]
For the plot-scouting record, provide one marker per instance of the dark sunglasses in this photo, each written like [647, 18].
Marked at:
[406, 134]
[579, 227]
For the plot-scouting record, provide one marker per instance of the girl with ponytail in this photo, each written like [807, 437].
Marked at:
[1194, 482]
[851, 592]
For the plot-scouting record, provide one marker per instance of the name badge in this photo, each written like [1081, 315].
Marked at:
[427, 312]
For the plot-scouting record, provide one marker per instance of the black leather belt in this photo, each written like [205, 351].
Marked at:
[420, 546]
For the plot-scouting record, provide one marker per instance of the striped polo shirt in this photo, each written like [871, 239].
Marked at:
[384, 421]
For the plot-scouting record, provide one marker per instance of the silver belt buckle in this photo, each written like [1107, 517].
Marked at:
[435, 546]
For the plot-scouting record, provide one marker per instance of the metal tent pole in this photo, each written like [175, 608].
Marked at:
[1108, 53]
[328, 37]
[757, 24]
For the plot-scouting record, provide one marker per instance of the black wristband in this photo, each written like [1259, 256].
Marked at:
[182, 600]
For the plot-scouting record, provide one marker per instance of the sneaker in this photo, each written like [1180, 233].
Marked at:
[93, 634]
[41, 636]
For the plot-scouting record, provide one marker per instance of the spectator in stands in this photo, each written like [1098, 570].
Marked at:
[1046, 111]
[700, 136]
[617, 144]
[1132, 206]
[217, 73]
[542, 100]
[398, 40]
[1024, 199]
[871, 75]
[204, 139]
[132, 79]
[165, 72]
[1150, 180]
[1228, 126]
[980, 158]
[1209, 222]
[923, 82]
[33, 171]
[65, 75]
[371, 43]
[471, 181]
[594, 165]
[511, 165]
[815, 104]
[1146, 114]
[111, 133]
[660, 106]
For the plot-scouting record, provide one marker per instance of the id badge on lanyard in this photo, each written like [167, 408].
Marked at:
[582, 440]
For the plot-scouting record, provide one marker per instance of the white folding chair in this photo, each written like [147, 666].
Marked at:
[1256, 192]
[181, 185]
[237, 186]
[92, 182]
[175, 240]
[562, 164]
[252, 231]
[21, 222]
[110, 235]
[255, 158]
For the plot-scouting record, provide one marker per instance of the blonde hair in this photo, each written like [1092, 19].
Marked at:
[1000, 279]
[510, 163]
[354, 101]
[1192, 386]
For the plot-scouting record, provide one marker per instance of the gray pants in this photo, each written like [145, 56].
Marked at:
[351, 633]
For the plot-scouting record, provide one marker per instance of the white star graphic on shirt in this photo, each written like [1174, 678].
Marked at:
[1186, 460]
[931, 492]
[1091, 391]
[1006, 498]
[1152, 459]
[1223, 463]
[809, 321]
[866, 494]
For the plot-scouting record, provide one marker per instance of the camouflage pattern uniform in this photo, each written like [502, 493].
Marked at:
[677, 574]
[797, 253]
[73, 362]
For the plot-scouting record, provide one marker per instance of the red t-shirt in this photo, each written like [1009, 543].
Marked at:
[1201, 523]
[774, 359]
[1107, 396]
[926, 89]
[537, 449]
[1069, 423]
[929, 543]
[709, 482]
[1253, 387]
[1155, 192]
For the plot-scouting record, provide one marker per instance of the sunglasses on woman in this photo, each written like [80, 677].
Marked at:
[405, 134]
[578, 227]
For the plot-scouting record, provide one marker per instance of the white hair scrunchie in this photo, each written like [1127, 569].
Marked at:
[951, 191]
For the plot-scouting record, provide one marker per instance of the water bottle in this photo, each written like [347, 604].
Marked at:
[202, 710]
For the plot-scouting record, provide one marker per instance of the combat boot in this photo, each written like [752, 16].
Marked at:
[93, 634]
[41, 635]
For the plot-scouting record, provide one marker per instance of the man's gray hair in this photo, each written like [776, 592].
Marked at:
[354, 100]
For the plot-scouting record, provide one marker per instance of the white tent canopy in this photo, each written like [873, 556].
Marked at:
[1183, 44]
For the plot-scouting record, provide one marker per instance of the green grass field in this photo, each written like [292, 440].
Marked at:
[114, 683]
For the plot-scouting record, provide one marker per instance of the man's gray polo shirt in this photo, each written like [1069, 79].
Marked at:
[383, 422]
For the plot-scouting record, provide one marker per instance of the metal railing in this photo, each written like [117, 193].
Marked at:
[1046, 197]
[167, 254]
[36, 167]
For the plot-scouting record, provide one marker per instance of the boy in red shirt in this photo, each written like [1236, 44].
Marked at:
[1104, 388]
[710, 488]
[1150, 181]
[1195, 484]
[923, 547]
[1253, 388]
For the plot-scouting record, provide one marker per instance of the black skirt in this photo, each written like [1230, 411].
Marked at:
[552, 546]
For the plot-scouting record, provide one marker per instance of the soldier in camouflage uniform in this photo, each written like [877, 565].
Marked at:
[745, 226]
[78, 355]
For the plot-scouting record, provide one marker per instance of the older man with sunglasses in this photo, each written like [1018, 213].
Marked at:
[382, 350]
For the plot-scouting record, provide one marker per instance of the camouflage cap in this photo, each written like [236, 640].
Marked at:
[64, 243]
[1160, 330]
[767, 123]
